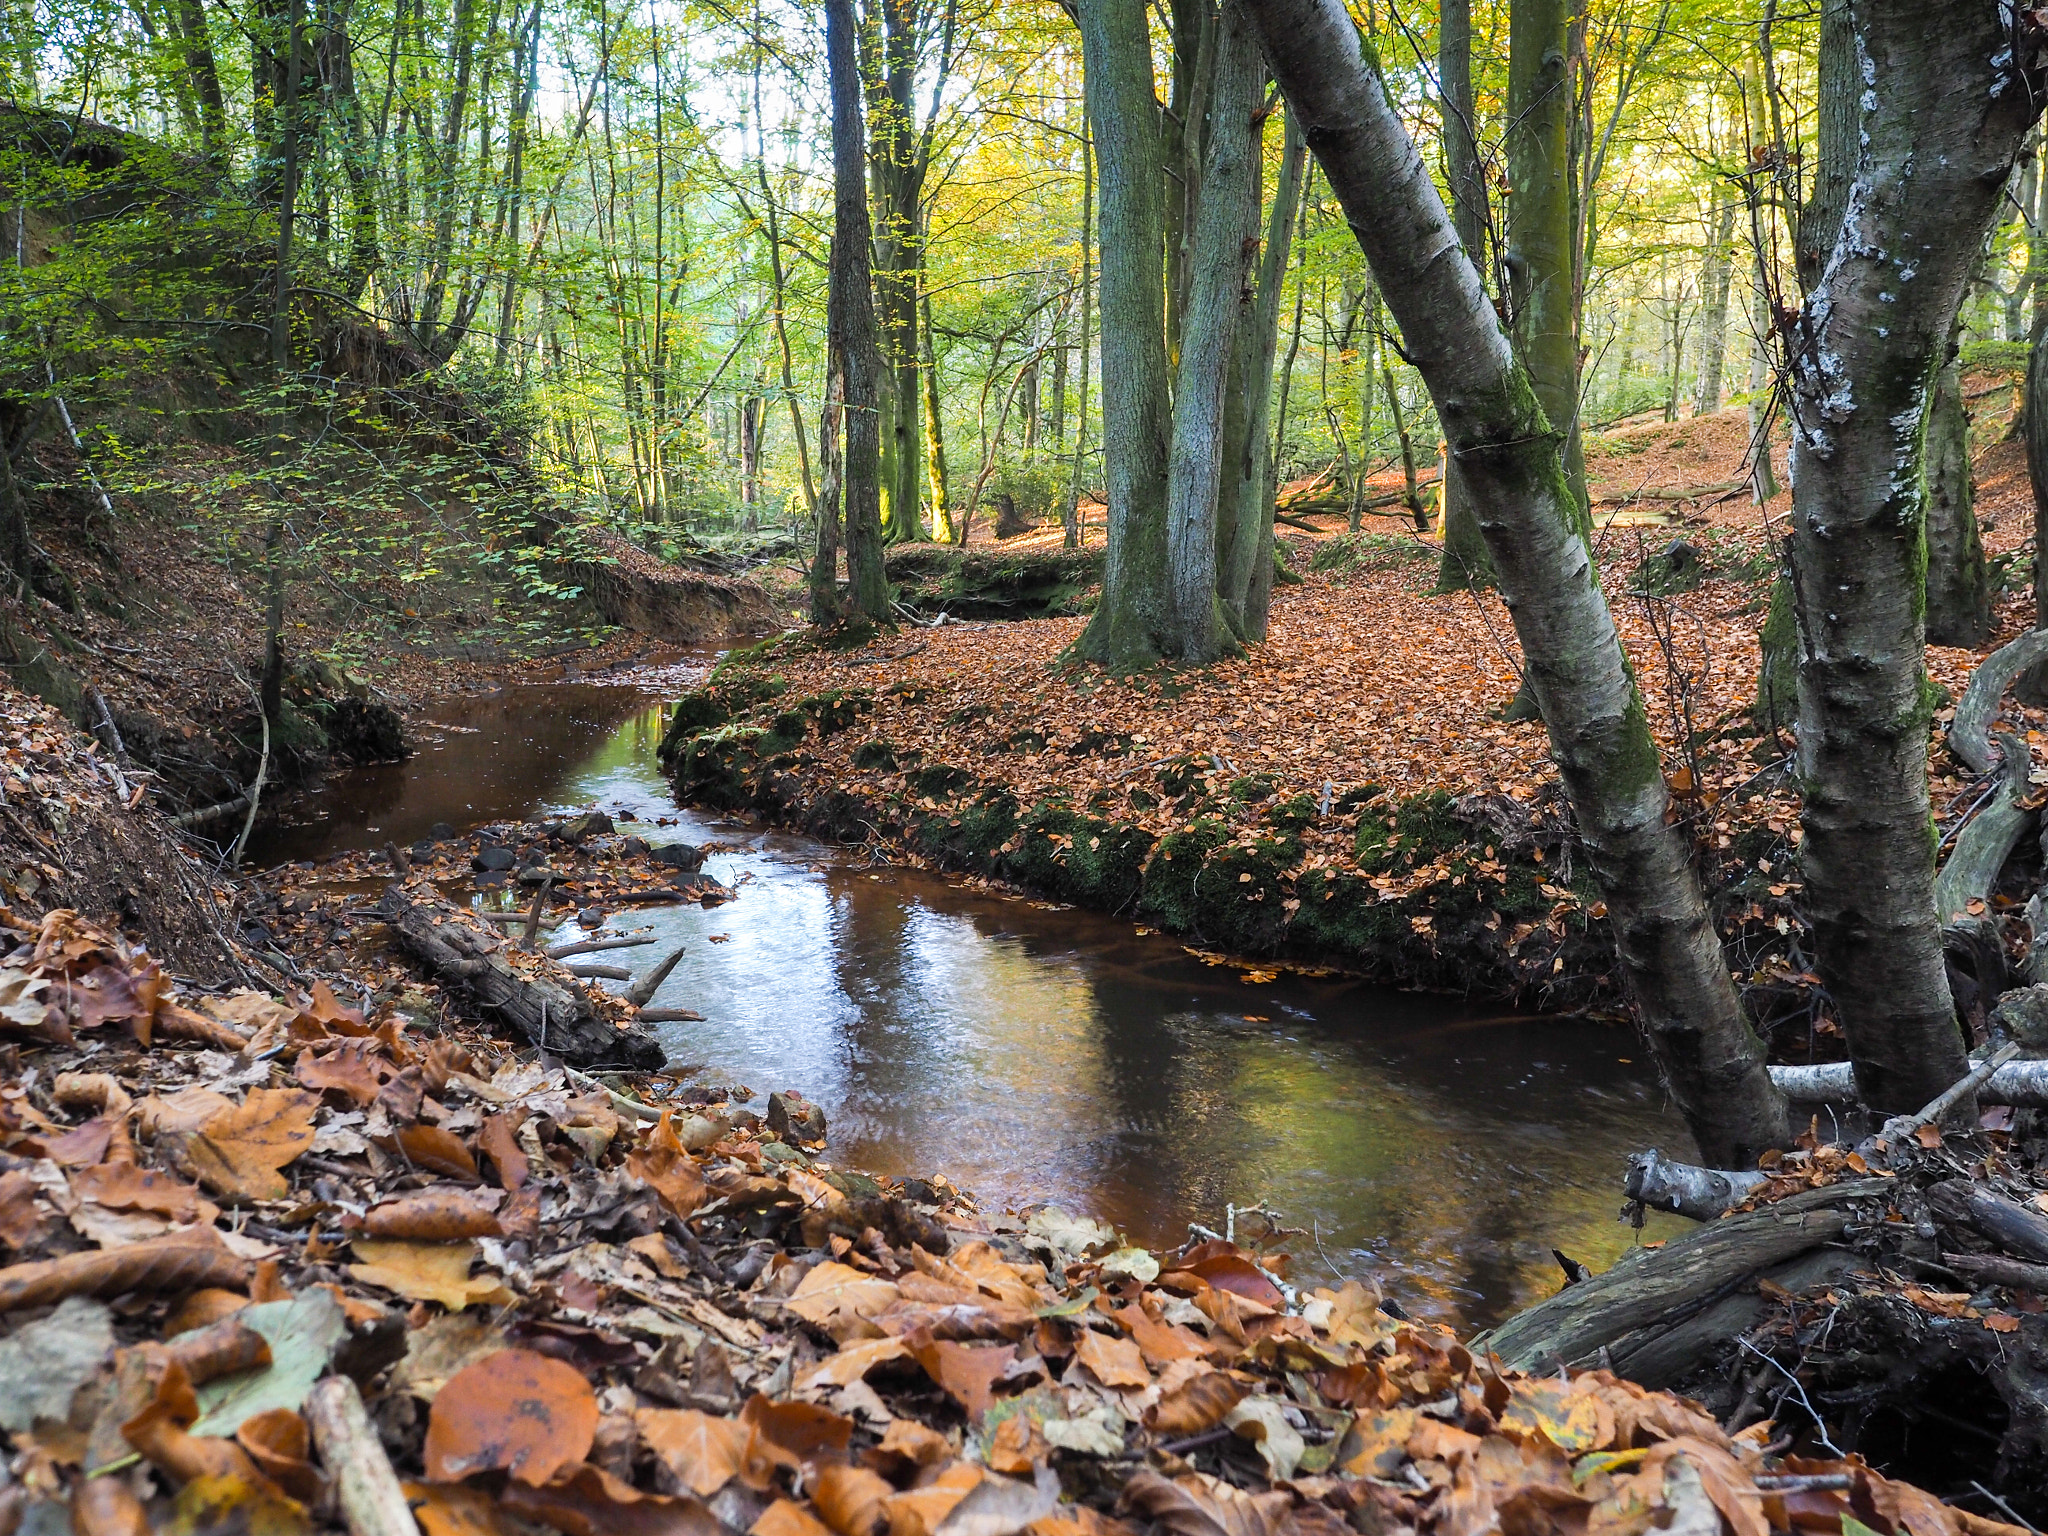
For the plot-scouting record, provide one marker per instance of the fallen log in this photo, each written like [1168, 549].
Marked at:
[471, 963]
[1989, 837]
[1969, 732]
[1991, 1269]
[591, 947]
[2019, 1231]
[2021, 1084]
[1660, 1312]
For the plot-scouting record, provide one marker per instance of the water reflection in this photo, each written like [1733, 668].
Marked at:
[1038, 1054]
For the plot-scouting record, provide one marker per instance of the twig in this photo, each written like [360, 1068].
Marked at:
[372, 1502]
[262, 770]
[632, 1107]
[1901, 1127]
[1819, 1425]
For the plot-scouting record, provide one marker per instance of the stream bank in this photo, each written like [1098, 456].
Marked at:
[1032, 1051]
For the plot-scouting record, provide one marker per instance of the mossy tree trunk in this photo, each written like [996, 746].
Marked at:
[850, 324]
[1958, 579]
[1219, 257]
[1940, 113]
[1133, 622]
[1529, 515]
[1539, 225]
[1465, 563]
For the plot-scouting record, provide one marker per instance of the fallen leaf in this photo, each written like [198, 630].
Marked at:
[125, 1187]
[786, 1517]
[427, 1272]
[437, 1149]
[348, 1070]
[852, 1500]
[278, 1442]
[183, 1264]
[852, 1362]
[440, 1216]
[303, 1334]
[43, 1363]
[450, 1509]
[1002, 1506]
[514, 1411]
[842, 1300]
[1262, 1420]
[1196, 1505]
[239, 1151]
[248, 1507]
[967, 1372]
[1196, 1405]
[1115, 1362]
[674, 1176]
[701, 1452]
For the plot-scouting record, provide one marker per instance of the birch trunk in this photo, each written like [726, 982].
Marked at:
[1509, 454]
[1940, 112]
[1465, 563]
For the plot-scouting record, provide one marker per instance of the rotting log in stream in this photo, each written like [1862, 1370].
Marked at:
[471, 963]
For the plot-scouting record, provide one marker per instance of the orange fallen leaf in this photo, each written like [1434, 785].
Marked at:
[442, 1151]
[513, 1411]
[1115, 1362]
[702, 1452]
[427, 1272]
[238, 1153]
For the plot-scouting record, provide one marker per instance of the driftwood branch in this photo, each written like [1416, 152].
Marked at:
[472, 964]
[1969, 733]
[1989, 837]
[1991, 1269]
[2019, 1231]
[1689, 1190]
[591, 947]
[641, 993]
[599, 972]
[365, 1486]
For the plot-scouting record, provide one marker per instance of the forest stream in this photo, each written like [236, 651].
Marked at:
[1040, 1054]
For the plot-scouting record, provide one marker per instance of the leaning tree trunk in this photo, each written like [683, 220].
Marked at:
[1958, 579]
[2033, 688]
[1941, 111]
[1133, 623]
[850, 324]
[1465, 562]
[1221, 253]
[1511, 457]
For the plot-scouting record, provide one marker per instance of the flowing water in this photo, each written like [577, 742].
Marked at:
[1032, 1053]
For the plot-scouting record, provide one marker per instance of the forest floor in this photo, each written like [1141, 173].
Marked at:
[1372, 711]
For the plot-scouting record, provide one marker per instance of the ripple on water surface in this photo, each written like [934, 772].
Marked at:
[1031, 1053]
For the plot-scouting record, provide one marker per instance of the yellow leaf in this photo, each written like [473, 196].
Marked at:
[427, 1272]
[239, 1151]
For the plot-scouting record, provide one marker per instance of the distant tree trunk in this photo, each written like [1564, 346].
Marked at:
[1540, 242]
[1219, 260]
[2034, 429]
[934, 431]
[1600, 737]
[1941, 109]
[288, 193]
[1716, 277]
[1071, 511]
[750, 458]
[1411, 496]
[825, 605]
[1958, 580]
[213, 112]
[1133, 623]
[850, 323]
[1250, 553]
[1465, 563]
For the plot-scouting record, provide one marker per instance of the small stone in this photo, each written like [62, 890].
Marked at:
[538, 874]
[679, 856]
[795, 1118]
[589, 824]
[590, 917]
[633, 847]
[494, 856]
[782, 1152]
[440, 831]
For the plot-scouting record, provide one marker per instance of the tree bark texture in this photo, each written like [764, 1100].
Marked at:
[896, 171]
[1941, 113]
[1715, 280]
[850, 323]
[1465, 563]
[1218, 296]
[1539, 225]
[1251, 542]
[1529, 516]
[1133, 622]
[1958, 579]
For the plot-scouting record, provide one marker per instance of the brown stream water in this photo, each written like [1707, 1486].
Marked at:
[1031, 1053]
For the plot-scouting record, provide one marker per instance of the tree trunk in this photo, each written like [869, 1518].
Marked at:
[896, 172]
[2033, 688]
[1070, 517]
[1715, 280]
[1540, 241]
[850, 324]
[1219, 261]
[1941, 112]
[934, 431]
[1511, 459]
[1251, 543]
[1133, 623]
[1465, 563]
[1958, 580]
